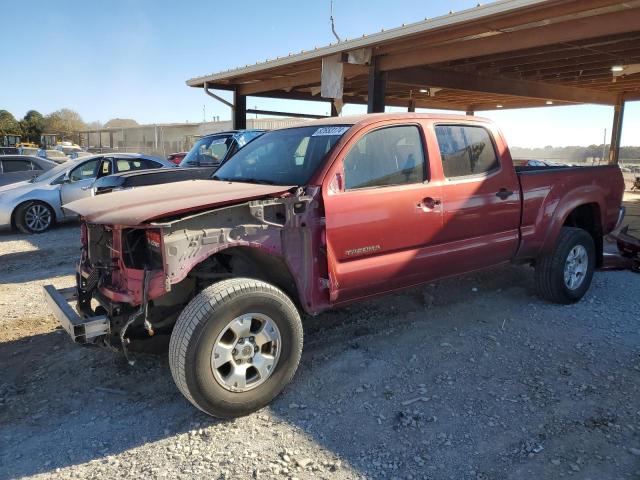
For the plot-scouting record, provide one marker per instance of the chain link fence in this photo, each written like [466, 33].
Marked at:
[164, 139]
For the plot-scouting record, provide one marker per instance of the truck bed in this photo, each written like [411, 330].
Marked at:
[550, 193]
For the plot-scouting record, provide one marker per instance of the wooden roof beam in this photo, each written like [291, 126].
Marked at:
[580, 63]
[280, 83]
[623, 21]
[610, 44]
[291, 81]
[556, 9]
[429, 77]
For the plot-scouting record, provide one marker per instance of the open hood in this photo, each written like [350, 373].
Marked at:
[140, 205]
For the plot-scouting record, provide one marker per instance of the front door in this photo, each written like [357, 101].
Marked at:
[80, 180]
[380, 211]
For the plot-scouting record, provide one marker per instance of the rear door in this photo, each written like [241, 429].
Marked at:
[380, 211]
[480, 197]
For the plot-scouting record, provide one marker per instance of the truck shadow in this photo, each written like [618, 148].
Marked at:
[444, 374]
[83, 404]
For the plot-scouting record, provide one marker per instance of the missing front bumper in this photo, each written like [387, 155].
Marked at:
[81, 329]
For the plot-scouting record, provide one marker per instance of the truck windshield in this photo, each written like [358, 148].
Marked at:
[282, 157]
[208, 151]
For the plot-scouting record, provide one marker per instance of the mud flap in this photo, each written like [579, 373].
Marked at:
[628, 255]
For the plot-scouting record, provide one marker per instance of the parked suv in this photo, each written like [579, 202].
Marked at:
[214, 149]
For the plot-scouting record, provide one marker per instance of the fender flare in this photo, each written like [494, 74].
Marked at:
[584, 195]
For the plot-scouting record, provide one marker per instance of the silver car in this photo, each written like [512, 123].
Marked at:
[15, 168]
[35, 205]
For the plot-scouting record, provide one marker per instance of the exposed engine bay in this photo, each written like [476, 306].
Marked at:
[141, 278]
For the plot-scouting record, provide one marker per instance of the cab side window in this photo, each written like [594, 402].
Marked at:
[384, 157]
[466, 150]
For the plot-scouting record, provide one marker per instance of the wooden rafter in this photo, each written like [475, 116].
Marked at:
[611, 23]
[422, 76]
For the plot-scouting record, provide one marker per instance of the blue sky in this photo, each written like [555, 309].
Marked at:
[130, 59]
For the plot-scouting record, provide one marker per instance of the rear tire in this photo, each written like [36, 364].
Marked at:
[34, 217]
[211, 323]
[564, 274]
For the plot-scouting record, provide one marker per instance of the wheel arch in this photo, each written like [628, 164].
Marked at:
[588, 217]
[581, 207]
[253, 262]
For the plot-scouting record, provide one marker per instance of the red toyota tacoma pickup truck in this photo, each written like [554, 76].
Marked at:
[315, 217]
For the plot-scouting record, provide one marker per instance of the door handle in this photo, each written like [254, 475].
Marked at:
[429, 204]
[503, 193]
[86, 187]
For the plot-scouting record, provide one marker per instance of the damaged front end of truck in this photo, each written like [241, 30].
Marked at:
[132, 282]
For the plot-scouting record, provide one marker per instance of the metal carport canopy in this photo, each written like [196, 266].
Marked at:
[507, 54]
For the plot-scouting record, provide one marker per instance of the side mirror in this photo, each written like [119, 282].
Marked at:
[62, 179]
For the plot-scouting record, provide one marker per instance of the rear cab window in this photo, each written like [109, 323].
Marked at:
[387, 156]
[466, 150]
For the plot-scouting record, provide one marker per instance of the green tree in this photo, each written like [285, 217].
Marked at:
[8, 124]
[64, 122]
[32, 126]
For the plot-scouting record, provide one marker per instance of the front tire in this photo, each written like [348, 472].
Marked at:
[34, 217]
[564, 274]
[235, 347]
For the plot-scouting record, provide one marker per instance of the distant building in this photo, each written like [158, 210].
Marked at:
[163, 139]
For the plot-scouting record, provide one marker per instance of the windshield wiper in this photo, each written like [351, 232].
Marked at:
[254, 180]
[244, 180]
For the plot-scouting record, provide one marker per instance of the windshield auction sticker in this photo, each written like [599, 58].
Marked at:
[330, 131]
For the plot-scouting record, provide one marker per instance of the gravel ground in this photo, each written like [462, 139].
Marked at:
[473, 378]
